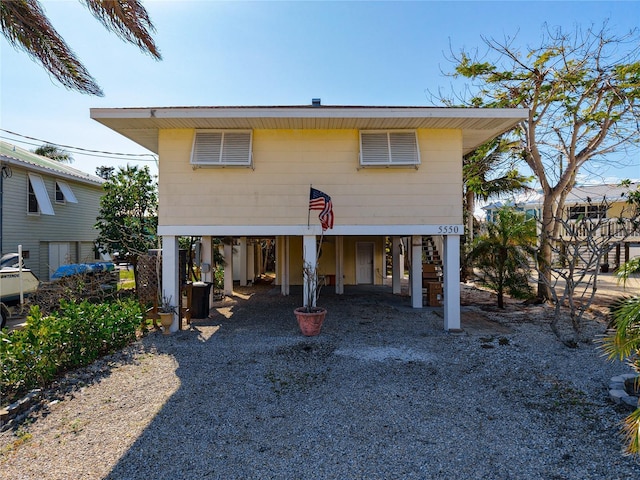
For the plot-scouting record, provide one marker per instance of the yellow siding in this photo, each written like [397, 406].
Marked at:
[620, 209]
[327, 263]
[286, 162]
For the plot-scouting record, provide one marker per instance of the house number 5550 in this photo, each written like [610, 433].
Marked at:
[448, 229]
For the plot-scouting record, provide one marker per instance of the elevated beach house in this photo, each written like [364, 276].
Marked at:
[605, 205]
[49, 208]
[247, 172]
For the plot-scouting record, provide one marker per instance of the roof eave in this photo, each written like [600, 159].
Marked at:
[141, 125]
[16, 162]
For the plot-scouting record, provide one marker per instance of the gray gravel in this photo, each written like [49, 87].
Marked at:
[382, 393]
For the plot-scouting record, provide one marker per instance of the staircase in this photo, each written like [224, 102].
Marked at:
[431, 255]
[431, 272]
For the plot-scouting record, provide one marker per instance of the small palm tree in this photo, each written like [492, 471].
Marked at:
[54, 153]
[624, 343]
[503, 253]
[25, 26]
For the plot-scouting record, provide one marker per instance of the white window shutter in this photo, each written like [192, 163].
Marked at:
[403, 148]
[387, 148]
[220, 148]
[67, 192]
[374, 148]
[207, 147]
[236, 148]
[40, 190]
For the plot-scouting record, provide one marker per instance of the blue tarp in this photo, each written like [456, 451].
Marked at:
[78, 268]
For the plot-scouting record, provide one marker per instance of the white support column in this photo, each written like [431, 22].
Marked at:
[309, 261]
[278, 265]
[416, 271]
[451, 282]
[339, 265]
[397, 269]
[285, 280]
[206, 257]
[170, 284]
[243, 261]
[403, 252]
[252, 248]
[228, 269]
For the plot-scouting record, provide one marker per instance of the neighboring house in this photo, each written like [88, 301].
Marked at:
[606, 202]
[47, 207]
[246, 172]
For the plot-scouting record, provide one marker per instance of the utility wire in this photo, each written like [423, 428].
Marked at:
[83, 151]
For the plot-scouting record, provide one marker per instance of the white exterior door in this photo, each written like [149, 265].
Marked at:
[59, 254]
[364, 263]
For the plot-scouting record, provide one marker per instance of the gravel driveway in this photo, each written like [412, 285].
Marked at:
[382, 393]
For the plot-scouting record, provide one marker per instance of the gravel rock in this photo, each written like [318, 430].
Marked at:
[383, 392]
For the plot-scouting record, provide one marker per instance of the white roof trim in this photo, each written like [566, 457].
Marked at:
[66, 191]
[308, 112]
[300, 230]
[142, 125]
[39, 188]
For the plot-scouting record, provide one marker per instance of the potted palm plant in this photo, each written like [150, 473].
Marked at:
[166, 311]
[310, 317]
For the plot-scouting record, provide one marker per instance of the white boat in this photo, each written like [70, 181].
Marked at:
[12, 282]
[10, 279]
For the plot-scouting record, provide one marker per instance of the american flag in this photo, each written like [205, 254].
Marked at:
[321, 201]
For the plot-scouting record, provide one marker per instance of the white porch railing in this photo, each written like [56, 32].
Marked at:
[613, 228]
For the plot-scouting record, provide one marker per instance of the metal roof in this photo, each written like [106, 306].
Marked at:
[579, 194]
[142, 125]
[14, 155]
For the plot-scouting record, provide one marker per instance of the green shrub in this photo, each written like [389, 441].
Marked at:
[73, 336]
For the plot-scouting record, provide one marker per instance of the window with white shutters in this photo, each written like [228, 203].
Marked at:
[64, 193]
[221, 148]
[38, 199]
[389, 148]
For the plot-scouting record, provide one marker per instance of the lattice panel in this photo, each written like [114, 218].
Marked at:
[148, 267]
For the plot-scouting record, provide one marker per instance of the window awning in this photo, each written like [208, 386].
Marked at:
[66, 191]
[40, 190]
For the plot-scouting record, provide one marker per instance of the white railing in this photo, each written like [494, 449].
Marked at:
[610, 228]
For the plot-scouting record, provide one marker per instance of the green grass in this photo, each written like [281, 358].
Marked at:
[126, 280]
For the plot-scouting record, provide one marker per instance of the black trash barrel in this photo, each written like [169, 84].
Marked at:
[200, 299]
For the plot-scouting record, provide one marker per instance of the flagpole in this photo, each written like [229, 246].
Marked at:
[309, 209]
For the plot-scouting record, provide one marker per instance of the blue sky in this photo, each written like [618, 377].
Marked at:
[269, 53]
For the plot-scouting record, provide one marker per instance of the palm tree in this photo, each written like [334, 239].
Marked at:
[54, 153]
[504, 252]
[624, 343]
[477, 170]
[26, 27]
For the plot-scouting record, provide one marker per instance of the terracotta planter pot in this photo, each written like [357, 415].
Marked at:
[166, 319]
[310, 323]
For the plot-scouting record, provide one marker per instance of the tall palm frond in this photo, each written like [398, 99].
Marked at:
[129, 20]
[26, 27]
[625, 341]
[631, 432]
[627, 269]
[485, 161]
